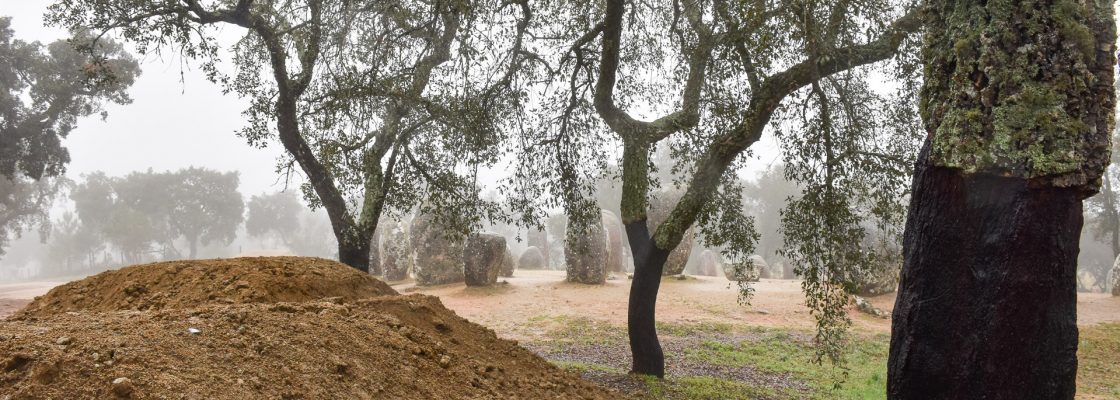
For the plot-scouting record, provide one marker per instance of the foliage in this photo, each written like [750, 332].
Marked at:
[44, 90]
[25, 203]
[382, 106]
[708, 78]
[276, 215]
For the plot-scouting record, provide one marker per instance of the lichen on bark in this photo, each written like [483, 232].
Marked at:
[1011, 88]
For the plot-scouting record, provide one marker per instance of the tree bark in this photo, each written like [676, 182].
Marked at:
[355, 253]
[649, 261]
[987, 302]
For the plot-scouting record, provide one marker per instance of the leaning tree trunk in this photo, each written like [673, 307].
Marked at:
[649, 261]
[1017, 102]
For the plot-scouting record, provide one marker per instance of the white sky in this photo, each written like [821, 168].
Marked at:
[175, 121]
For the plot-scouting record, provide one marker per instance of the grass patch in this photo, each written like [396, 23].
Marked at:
[1098, 371]
[580, 330]
[703, 387]
[790, 354]
[780, 352]
[675, 329]
[582, 367]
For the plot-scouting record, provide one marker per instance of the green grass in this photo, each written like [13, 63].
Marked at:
[704, 387]
[675, 329]
[790, 353]
[782, 352]
[1098, 368]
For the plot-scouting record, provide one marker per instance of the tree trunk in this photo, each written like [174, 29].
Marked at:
[649, 261]
[987, 303]
[354, 253]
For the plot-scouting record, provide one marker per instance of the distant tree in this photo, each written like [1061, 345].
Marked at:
[205, 207]
[44, 90]
[379, 104]
[1018, 103]
[765, 198]
[144, 213]
[280, 216]
[25, 203]
[275, 215]
[72, 246]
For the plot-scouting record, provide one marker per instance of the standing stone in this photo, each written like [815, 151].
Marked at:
[483, 257]
[660, 206]
[508, 264]
[531, 258]
[616, 246]
[709, 264]
[395, 253]
[1115, 277]
[375, 251]
[746, 271]
[439, 258]
[539, 239]
[585, 254]
[761, 266]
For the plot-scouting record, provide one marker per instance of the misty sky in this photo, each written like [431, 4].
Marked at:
[175, 121]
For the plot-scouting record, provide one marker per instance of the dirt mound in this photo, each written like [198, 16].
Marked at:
[249, 328]
[399, 347]
[186, 284]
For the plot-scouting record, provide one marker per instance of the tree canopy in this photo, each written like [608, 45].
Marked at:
[44, 91]
[378, 105]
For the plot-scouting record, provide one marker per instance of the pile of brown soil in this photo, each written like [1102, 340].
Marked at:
[388, 346]
[180, 284]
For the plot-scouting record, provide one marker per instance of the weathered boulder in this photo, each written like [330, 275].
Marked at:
[616, 244]
[866, 307]
[508, 264]
[375, 251]
[395, 253]
[482, 259]
[539, 239]
[531, 258]
[585, 254]
[880, 278]
[746, 271]
[709, 264]
[761, 266]
[438, 255]
[788, 271]
[660, 206]
[1115, 277]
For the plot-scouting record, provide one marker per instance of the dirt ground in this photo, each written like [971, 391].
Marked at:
[776, 303]
[529, 294]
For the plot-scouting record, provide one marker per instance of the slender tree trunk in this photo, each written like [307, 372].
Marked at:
[649, 261]
[987, 306]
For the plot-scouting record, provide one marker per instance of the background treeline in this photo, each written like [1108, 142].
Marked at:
[101, 222]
